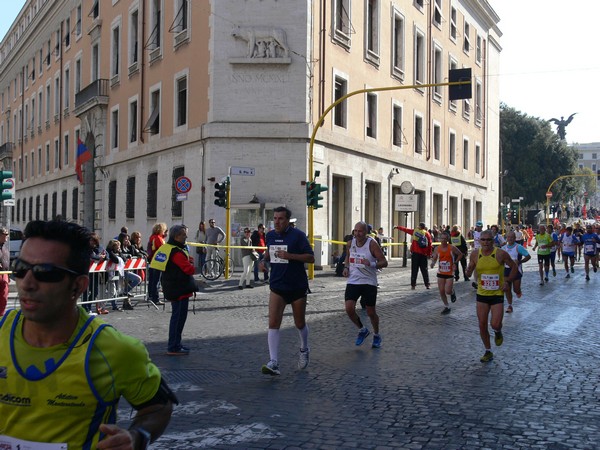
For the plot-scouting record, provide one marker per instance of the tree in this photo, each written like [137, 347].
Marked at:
[534, 157]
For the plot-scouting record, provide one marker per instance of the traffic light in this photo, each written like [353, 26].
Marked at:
[221, 193]
[313, 190]
[5, 183]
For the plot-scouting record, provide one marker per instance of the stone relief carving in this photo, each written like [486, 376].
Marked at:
[263, 42]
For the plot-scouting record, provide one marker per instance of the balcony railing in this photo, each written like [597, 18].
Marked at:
[6, 150]
[94, 90]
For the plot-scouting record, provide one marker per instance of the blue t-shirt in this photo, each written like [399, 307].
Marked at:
[589, 241]
[555, 239]
[288, 275]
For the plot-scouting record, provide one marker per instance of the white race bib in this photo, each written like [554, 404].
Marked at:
[274, 259]
[445, 266]
[490, 282]
[590, 248]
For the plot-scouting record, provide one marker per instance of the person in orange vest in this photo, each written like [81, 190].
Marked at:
[448, 256]
[420, 249]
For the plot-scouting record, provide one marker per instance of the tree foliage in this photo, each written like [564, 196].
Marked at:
[534, 157]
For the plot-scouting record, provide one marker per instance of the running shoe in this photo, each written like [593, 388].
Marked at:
[271, 368]
[456, 278]
[498, 338]
[519, 294]
[453, 297]
[541, 283]
[303, 359]
[474, 285]
[178, 352]
[362, 335]
[587, 278]
[595, 269]
[487, 357]
[376, 341]
[467, 279]
[546, 279]
[553, 272]
[509, 309]
[572, 269]
[568, 275]
[446, 311]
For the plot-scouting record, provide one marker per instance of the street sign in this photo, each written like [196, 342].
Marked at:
[548, 194]
[244, 171]
[181, 197]
[183, 185]
[406, 203]
[516, 200]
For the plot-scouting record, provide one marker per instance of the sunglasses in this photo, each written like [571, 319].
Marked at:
[46, 273]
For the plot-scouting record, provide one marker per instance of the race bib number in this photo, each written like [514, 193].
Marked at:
[9, 443]
[273, 249]
[490, 282]
[590, 248]
[445, 266]
[355, 260]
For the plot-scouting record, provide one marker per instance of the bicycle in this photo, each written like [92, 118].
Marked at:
[215, 267]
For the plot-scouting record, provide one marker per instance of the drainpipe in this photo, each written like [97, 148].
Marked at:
[141, 54]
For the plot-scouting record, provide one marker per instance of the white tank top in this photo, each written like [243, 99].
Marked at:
[359, 273]
[476, 243]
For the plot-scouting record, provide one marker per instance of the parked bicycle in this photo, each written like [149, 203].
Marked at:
[215, 267]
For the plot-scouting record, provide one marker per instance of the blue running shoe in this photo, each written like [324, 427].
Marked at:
[362, 335]
[376, 341]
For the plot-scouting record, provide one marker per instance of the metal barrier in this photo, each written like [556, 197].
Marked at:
[110, 282]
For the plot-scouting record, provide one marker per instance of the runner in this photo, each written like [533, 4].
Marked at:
[499, 240]
[589, 241]
[364, 258]
[569, 243]
[491, 286]
[448, 255]
[578, 232]
[519, 255]
[476, 244]
[544, 242]
[554, 248]
[458, 240]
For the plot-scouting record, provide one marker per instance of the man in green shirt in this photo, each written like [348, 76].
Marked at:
[544, 244]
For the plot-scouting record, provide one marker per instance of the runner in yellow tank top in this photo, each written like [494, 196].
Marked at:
[491, 285]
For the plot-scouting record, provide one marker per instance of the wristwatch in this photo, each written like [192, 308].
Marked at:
[144, 438]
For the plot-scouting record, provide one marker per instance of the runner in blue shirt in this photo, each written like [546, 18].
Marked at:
[588, 242]
[287, 251]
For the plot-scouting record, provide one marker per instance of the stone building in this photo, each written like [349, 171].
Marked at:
[161, 89]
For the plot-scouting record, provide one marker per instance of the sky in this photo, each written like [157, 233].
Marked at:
[549, 65]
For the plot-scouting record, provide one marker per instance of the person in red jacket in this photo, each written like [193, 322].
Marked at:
[420, 249]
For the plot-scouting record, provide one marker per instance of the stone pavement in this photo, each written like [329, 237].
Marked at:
[424, 389]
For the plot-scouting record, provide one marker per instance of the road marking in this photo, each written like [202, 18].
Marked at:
[568, 321]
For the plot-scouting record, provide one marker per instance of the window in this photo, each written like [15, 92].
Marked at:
[181, 101]
[133, 38]
[115, 54]
[466, 40]
[63, 204]
[68, 32]
[339, 112]
[418, 134]
[371, 115]
[437, 138]
[112, 199]
[180, 23]
[40, 109]
[478, 49]
[67, 88]
[466, 109]
[77, 75]
[453, 30]
[372, 31]
[38, 207]
[95, 62]
[477, 159]
[152, 197]
[478, 104]
[419, 4]
[47, 157]
[176, 206]
[31, 208]
[419, 57]
[437, 13]
[341, 22]
[133, 121]
[114, 129]
[47, 104]
[153, 124]
[56, 153]
[39, 163]
[45, 217]
[33, 111]
[465, 154]
[397, 126]
[155, 24]
[130, 198]
[453, 65]
[56, 98]
[74, 203]
[78, 21]
[95, 11]
[398, 46]
[437, 73]
[594, 155]
[54, 204]
[452, 149]
[66, 149]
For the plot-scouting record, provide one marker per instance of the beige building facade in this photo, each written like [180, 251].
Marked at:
[203, 89]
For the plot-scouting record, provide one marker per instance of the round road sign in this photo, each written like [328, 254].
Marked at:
[183, 185]
[549, 194]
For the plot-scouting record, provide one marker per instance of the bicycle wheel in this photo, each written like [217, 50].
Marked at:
[231, 268]
[212, 269]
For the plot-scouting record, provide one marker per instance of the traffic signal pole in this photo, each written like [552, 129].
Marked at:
[549, 192]
[311, 161]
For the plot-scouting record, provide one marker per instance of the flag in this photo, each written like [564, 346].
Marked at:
[83, 156]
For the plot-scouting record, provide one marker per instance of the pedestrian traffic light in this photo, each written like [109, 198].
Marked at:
[222, 193]
[5, 183]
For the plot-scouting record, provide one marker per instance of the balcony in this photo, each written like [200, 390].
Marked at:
[94, 94]
[6, 150]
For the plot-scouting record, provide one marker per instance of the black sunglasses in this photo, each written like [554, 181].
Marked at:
[46, 273]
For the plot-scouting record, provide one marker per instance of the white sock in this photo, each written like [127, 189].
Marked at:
[303, 337]
[273, 340]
